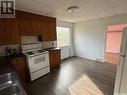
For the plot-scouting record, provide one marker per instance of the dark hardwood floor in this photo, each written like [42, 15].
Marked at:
[77, 76]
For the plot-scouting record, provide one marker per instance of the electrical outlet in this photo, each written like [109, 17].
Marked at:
[99, 60]
[52, 43]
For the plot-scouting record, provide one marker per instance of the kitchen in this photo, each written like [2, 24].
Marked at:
[30, 38]
[58, 48]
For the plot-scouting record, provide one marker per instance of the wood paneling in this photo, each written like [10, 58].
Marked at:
[26, 15]
[55, 58]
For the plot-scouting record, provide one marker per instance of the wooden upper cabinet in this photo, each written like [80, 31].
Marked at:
[9, 33]
[27, 24]
[49, 33]
[35, 27]
[29, 27]
[24, 27]
[43, 29]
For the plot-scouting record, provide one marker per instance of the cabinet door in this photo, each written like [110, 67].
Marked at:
[50, 31]
[43, 30]
[24, 27]
[35, 27]
[55, 58]
[29, 27]
[20, 66]
[9, 32]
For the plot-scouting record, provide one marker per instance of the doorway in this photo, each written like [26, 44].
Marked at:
[113, 43]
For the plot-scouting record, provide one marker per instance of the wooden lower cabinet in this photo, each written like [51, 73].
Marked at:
[20, 66]
[55, 58]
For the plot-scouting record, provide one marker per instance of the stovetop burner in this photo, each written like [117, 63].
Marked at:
[29, 53]
[41, 51]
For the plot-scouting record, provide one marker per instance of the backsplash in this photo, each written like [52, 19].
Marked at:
[3, 51]
[34, 39]
[29, 39]
[49, 44]
[18, 49]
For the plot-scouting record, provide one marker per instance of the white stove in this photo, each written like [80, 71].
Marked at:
[35, 53]
[37, 60]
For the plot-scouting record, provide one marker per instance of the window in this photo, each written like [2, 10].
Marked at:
[63, 36]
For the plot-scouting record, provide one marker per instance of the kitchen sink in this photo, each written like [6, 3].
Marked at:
[7, 79]
[11, 90]
[10, 85]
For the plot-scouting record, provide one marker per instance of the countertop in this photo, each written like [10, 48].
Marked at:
[52, 48]
[6, 67]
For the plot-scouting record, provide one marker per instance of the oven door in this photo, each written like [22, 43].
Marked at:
[38, 62]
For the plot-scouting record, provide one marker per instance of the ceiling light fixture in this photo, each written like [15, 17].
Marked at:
[72, 9]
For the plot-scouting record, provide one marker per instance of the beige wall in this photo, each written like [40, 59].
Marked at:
[89, 36]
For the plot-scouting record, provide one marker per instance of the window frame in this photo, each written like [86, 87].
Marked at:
[69, 37]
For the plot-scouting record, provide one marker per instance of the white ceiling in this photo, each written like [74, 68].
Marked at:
[88, 9]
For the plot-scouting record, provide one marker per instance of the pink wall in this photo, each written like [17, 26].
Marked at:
[113, 42]
[118, 27]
